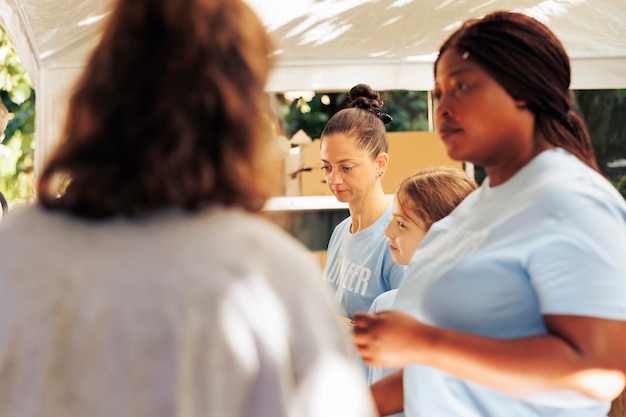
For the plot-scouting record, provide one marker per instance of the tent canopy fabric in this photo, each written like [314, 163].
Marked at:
[324, 45]
[390, 43]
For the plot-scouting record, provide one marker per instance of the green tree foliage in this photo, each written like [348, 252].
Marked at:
[18, 140]
[604, 112]
[409, 110]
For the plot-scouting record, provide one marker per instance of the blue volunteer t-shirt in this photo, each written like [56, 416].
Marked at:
[550, 240]
[359, 266]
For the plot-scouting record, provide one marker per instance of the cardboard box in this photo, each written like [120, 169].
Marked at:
[411, 151]
[312, 181]
[292, 164]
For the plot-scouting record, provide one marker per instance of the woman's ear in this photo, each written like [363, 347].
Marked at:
[382, 160]
[521, 104]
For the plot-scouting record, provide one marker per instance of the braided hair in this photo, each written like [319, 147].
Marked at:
[530, 63]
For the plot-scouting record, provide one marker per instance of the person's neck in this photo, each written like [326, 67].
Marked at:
[366, 211]
[506, 168]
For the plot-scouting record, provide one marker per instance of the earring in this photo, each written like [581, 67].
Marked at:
[380, 173]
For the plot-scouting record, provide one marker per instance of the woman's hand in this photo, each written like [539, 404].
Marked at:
[389, 339]
[579, 361]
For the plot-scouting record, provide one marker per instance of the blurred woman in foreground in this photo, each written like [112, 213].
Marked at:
[143, 283]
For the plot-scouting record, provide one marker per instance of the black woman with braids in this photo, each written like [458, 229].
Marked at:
[359, 265]
[515, 304]
[147, 283]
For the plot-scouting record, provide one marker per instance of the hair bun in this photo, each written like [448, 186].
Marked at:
[365, 97]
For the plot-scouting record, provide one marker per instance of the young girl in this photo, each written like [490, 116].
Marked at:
[359, 265]
[514, 303]
[422, 199]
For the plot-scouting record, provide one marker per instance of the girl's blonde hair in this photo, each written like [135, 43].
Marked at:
[432, 193]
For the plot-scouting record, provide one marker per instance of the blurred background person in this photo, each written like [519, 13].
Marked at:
[143, 282]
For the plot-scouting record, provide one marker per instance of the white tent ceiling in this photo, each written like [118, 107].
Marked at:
[323, 44]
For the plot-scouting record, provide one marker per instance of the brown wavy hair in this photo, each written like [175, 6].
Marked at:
[170, 112]
[361, 120]
[432, 193]
[530, 63]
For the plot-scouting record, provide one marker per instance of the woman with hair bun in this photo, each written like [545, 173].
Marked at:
[359, 266]
[515, 304]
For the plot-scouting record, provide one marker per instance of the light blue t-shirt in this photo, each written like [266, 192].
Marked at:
[550, 240]
[359, 266]
[383, 302]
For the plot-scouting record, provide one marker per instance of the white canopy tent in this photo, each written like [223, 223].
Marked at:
[325, 45]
